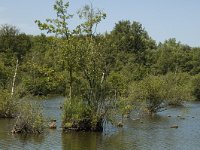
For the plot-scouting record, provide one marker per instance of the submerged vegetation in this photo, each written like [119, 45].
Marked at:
[99, 74]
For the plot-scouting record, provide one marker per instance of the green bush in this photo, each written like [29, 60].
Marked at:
[8, 104]
[29, 120]
[80, 116]
[179, 88]
[150, 91]
[196, 87]
[156, 91]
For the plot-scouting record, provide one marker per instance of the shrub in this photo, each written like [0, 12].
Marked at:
[179, 88]
[8, 104]
[196, 87]
[155, 91]
[80, 117]
[150, 91]
[29, 120]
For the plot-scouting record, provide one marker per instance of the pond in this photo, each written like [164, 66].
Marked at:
[148, 133]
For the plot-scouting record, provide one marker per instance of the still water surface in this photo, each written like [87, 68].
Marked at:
[153, 134]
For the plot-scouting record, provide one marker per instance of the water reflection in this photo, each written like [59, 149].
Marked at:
[28, 141]
[33, 139]
[119, 140]
[150, 133]
[80, 141]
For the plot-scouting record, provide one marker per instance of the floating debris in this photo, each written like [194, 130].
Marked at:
[174, 126]
[182, 118]
[52, 124]
[120, 124]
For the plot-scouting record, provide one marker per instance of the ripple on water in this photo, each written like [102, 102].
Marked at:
[153, 134]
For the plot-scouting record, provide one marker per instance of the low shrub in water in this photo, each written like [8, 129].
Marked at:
[150, 92]
[80, 117]
[29, 120]
[178, 87]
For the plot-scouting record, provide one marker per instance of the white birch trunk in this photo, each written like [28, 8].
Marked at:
[14, 78]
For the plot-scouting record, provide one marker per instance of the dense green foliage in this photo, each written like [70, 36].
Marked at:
[98, 73]
[8, 105]
[158, 91]
[29, 120]
[196, 86]
[151, 91]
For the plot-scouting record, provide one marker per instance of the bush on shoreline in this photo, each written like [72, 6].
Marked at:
[179, 88]
[8, 105]
[158, 91]
[196, 87]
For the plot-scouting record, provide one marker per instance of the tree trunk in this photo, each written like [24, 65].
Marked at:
[14, 78]
[70, 84]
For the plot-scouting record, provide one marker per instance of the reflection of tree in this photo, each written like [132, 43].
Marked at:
[121, 140]
[5, 128]
[136, 135]
[18, 141]
[80, 140]
[98, 141]
[28, 140]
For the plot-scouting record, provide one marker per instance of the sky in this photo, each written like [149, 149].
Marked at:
[162, 19]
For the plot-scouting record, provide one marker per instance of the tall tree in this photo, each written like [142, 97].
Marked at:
[14, 46]
[132, 37]
[58, 26]
[172, 56]
[92, 18]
